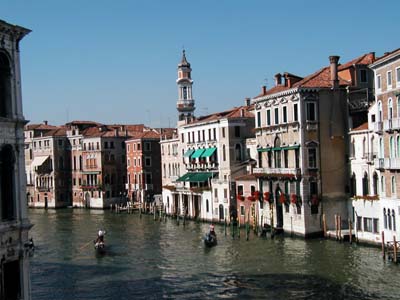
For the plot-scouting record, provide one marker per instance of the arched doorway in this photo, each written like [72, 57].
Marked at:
[221, 212]
[5, 87]
[87, 200]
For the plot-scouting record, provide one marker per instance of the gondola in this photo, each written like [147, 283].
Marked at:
[210, 240]
[100, 247]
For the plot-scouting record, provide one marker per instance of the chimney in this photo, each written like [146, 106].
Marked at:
[45, 122]
[242, 112]
[334, 59]
[278, 79]
[264, 90]
[247, 101]
[116, 131]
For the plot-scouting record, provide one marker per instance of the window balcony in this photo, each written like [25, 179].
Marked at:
[387, 163]
[378, 127]
[391, 124]
[278, 171]
[43, 189]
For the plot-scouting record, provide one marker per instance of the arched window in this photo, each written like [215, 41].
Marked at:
[384, 218]
[398, 146]
[380, 117]
[391, 147]
[277, 152]
[381, 151]
[390, 109]
[364, 148]
[375, 183]
[394, 220]
[389, 219]
[353, 149]
[353, 185]
[223, 153]
[398, 106]
[372, 146]
[7, 198]
[365, 184]
[382, 185]
[238, 152]
[393, 186]
[5, 87]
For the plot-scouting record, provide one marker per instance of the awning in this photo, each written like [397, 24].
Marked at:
[291, 147]
[90, 172]
[39, 160]
[208, 152]
[264, 149]
[196, 176]
[197, 153]
[188, 153]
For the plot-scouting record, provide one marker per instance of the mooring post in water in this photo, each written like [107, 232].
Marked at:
[340, 228]
[336, 227]
[238, 226]
[154, 212]
[225, 226]
[383, 245]
[350, 232]
[177, 218]
[324, 224]
[394, 249]
[232, 228]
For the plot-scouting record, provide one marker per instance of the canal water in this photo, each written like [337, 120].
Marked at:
[155, 260]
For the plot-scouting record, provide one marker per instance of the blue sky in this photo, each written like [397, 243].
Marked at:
[115, 61]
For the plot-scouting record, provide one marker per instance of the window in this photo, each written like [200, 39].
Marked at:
[184, 93]
[276, 113]
[268, 117]
[209, 134]
[277, 153]
[7, 183]
[393, 186]
[365, 184]
[389, 79]
[182, 138]
[238, 152]
[138, 146]
[242, 210]
[376, 225]
[223, 153]
[390, 109]
[106, 145]
[237, 131]
[149, 178]
[129, 162]
[312, 158]
[310, 111]
[382, 185]
[295, 112]
[259, 119]
[147, 161]
[111, 145]
[380, 115]
[378, 82]
[363, 75]
[147, 146]
[204, 135]
[394, 220]
[215, 134]
[128, 148]
[368, 224]
[5, 84]
[359, 223]
[225, 193]
[392, 151]
[188, 136]
[215, 193]
[207, 206]
[240, 189]
[284, 114]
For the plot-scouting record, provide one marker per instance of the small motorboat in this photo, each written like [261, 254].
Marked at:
[210, 240]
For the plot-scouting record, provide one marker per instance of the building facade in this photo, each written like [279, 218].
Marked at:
[14, 223]
[301, 132]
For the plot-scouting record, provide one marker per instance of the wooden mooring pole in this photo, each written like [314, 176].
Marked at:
[324, 224]
[350, 232]
[340, 227]
[394, 249]
[383, 245]
[336, 227]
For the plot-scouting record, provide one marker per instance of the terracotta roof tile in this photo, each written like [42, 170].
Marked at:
[363, 126]
[236, 112]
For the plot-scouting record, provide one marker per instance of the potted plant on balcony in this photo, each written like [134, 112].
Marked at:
[256, 195]
[293, 198]
[240, 197]
[251, 198]
[282, 198]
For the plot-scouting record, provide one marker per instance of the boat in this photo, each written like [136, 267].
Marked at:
[210, 240]
[100, 247]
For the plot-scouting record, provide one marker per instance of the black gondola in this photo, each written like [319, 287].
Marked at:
[210, 240]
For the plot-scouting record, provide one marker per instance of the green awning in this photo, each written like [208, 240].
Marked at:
[197, 153]
[291, 147]
[196, 177]
[208, 152]
[264, 149]
[200, 176]
[184, 177]
[188, 153]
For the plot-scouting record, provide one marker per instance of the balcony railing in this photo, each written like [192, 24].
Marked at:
[43, 189]
[378, 126]
[370, 156]
[91, 186]
[279, 171]
[387, 163]
[391, 124]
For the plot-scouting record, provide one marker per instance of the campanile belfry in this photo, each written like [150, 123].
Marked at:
[185, 104]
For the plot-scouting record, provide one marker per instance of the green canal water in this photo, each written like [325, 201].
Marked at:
[154, 260]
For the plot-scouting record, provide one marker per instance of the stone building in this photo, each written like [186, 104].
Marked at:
[385, 123]
[14, 223]
[301, 132]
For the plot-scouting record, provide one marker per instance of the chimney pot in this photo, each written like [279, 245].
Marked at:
[247, 101]
[333, 60]
[45, 122]
[264, 89]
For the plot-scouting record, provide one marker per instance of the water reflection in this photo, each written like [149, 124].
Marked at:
[153, 260]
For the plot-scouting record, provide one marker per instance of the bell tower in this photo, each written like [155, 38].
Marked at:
[185, 104]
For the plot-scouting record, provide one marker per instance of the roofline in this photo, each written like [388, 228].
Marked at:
[385, 59]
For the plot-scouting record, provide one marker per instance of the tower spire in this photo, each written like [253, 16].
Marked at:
[185, 104]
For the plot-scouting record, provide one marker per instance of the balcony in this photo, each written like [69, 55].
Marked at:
[91, 186]
[44, 189]
[370, 157]
[378, 127]
[296, 172]
[387, 163]
[391, 124]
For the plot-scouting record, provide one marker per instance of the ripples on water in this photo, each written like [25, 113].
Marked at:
[155, 260]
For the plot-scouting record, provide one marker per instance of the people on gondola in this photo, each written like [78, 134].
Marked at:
[212, 230]
[100, 237]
